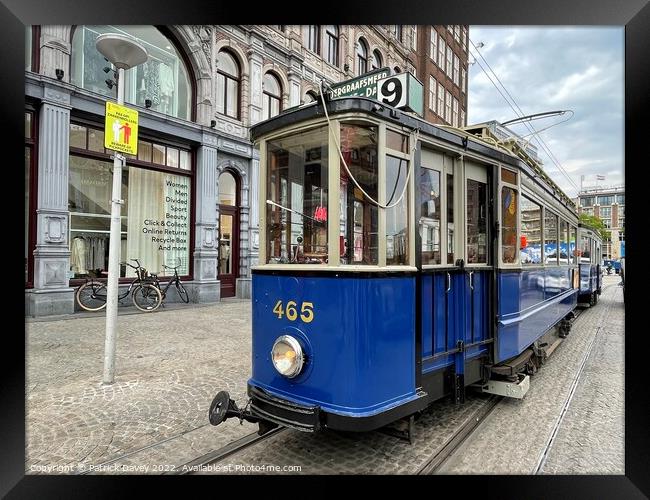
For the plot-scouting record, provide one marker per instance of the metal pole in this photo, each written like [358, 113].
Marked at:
[114, 254]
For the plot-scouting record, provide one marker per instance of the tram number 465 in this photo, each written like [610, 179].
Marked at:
[291, 311]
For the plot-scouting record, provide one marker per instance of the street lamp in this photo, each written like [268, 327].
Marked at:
[124, 53]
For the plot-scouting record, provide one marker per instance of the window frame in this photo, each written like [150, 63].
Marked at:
[271, 97]
[517, 188]
[227, 77]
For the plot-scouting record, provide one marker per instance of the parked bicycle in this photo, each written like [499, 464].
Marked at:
[173, 280]
[147, 297]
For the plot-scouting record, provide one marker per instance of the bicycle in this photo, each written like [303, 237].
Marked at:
[174, 280]
[92, 295]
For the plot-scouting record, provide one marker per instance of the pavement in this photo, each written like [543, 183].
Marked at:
[171, 363]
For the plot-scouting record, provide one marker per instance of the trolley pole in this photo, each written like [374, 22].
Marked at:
[114, 253]
[124, 52]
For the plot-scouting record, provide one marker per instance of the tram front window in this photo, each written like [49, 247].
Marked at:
[396, 216]
[296, 208]
[359, 217]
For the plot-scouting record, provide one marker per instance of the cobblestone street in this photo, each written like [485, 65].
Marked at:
[171, 363]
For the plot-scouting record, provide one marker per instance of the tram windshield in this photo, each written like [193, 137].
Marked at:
[297, 188]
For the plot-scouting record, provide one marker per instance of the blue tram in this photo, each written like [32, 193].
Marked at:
[400, 262]
[589, 254]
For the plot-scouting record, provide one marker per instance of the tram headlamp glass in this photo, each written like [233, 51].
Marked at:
[287, 356]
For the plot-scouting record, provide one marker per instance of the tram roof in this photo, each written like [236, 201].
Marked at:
[509, 152]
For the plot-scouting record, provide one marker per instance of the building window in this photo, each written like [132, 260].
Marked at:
[463, 38]
[607, 222]
[463, 80]
[456, 69]
[441, 100]
[156, 188]
[228, 84]
[297, 182]
[454, 119]
[332, 45]
[272, 98]
[450, 62]
[28, 48]
[376, 60]
[620, 199]
[457, 32]
[605, 200]
[311, 96]
[397, 31]
[605, 212]
[447, 107]
[311, 37]
[433, 45]
[442, 48]
[462, 118]
[163, 79]
[587, 201]
[432, 93]
[414, 37]
[588, 211]
[279, 27]
[362, 57]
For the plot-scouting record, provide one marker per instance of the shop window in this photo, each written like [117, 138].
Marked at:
[297, 186]
[430, 215]
[155, 215]
[163, 79]
[509, 244]
[359, 217]
[531, 232]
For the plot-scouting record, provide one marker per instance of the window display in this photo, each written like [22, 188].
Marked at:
[155, 215]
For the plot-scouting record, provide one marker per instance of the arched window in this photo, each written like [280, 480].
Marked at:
[311, 96]
[311, 37]
[332, 45]
[228, 84]
[161, 83]
[362, 57]
[272, 96]
[227, 189]
[375, 60]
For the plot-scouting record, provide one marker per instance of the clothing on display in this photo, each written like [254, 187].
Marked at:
[88, 253]
[78, 255]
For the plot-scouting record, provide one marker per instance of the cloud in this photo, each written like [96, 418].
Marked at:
[559, 68]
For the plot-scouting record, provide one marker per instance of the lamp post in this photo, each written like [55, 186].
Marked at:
[124, 53]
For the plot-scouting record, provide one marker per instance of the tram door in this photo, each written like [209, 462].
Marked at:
[457, 287]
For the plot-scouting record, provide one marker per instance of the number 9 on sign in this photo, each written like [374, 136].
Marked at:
[392, 90]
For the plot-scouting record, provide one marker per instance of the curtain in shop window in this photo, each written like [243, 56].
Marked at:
[146, 220]
[177, 214]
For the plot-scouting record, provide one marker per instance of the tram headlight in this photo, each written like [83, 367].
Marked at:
[287, 356]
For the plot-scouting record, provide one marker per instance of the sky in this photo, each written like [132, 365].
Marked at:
[556, 68]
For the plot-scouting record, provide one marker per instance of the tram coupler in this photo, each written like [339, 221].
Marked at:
[222, 408]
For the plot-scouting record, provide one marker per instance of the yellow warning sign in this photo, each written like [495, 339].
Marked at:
[121, 129]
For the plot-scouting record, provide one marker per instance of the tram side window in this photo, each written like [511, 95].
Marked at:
[509, 225]
[476, 222]
[397, 216]
[359, 227]
[531, 232]
[450, 219]
[564, 242]
[573, 245]
[430, 215]
[585, 250]
[297, 190]
[550, 238]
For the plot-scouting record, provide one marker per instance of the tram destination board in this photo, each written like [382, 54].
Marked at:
[364, 86]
